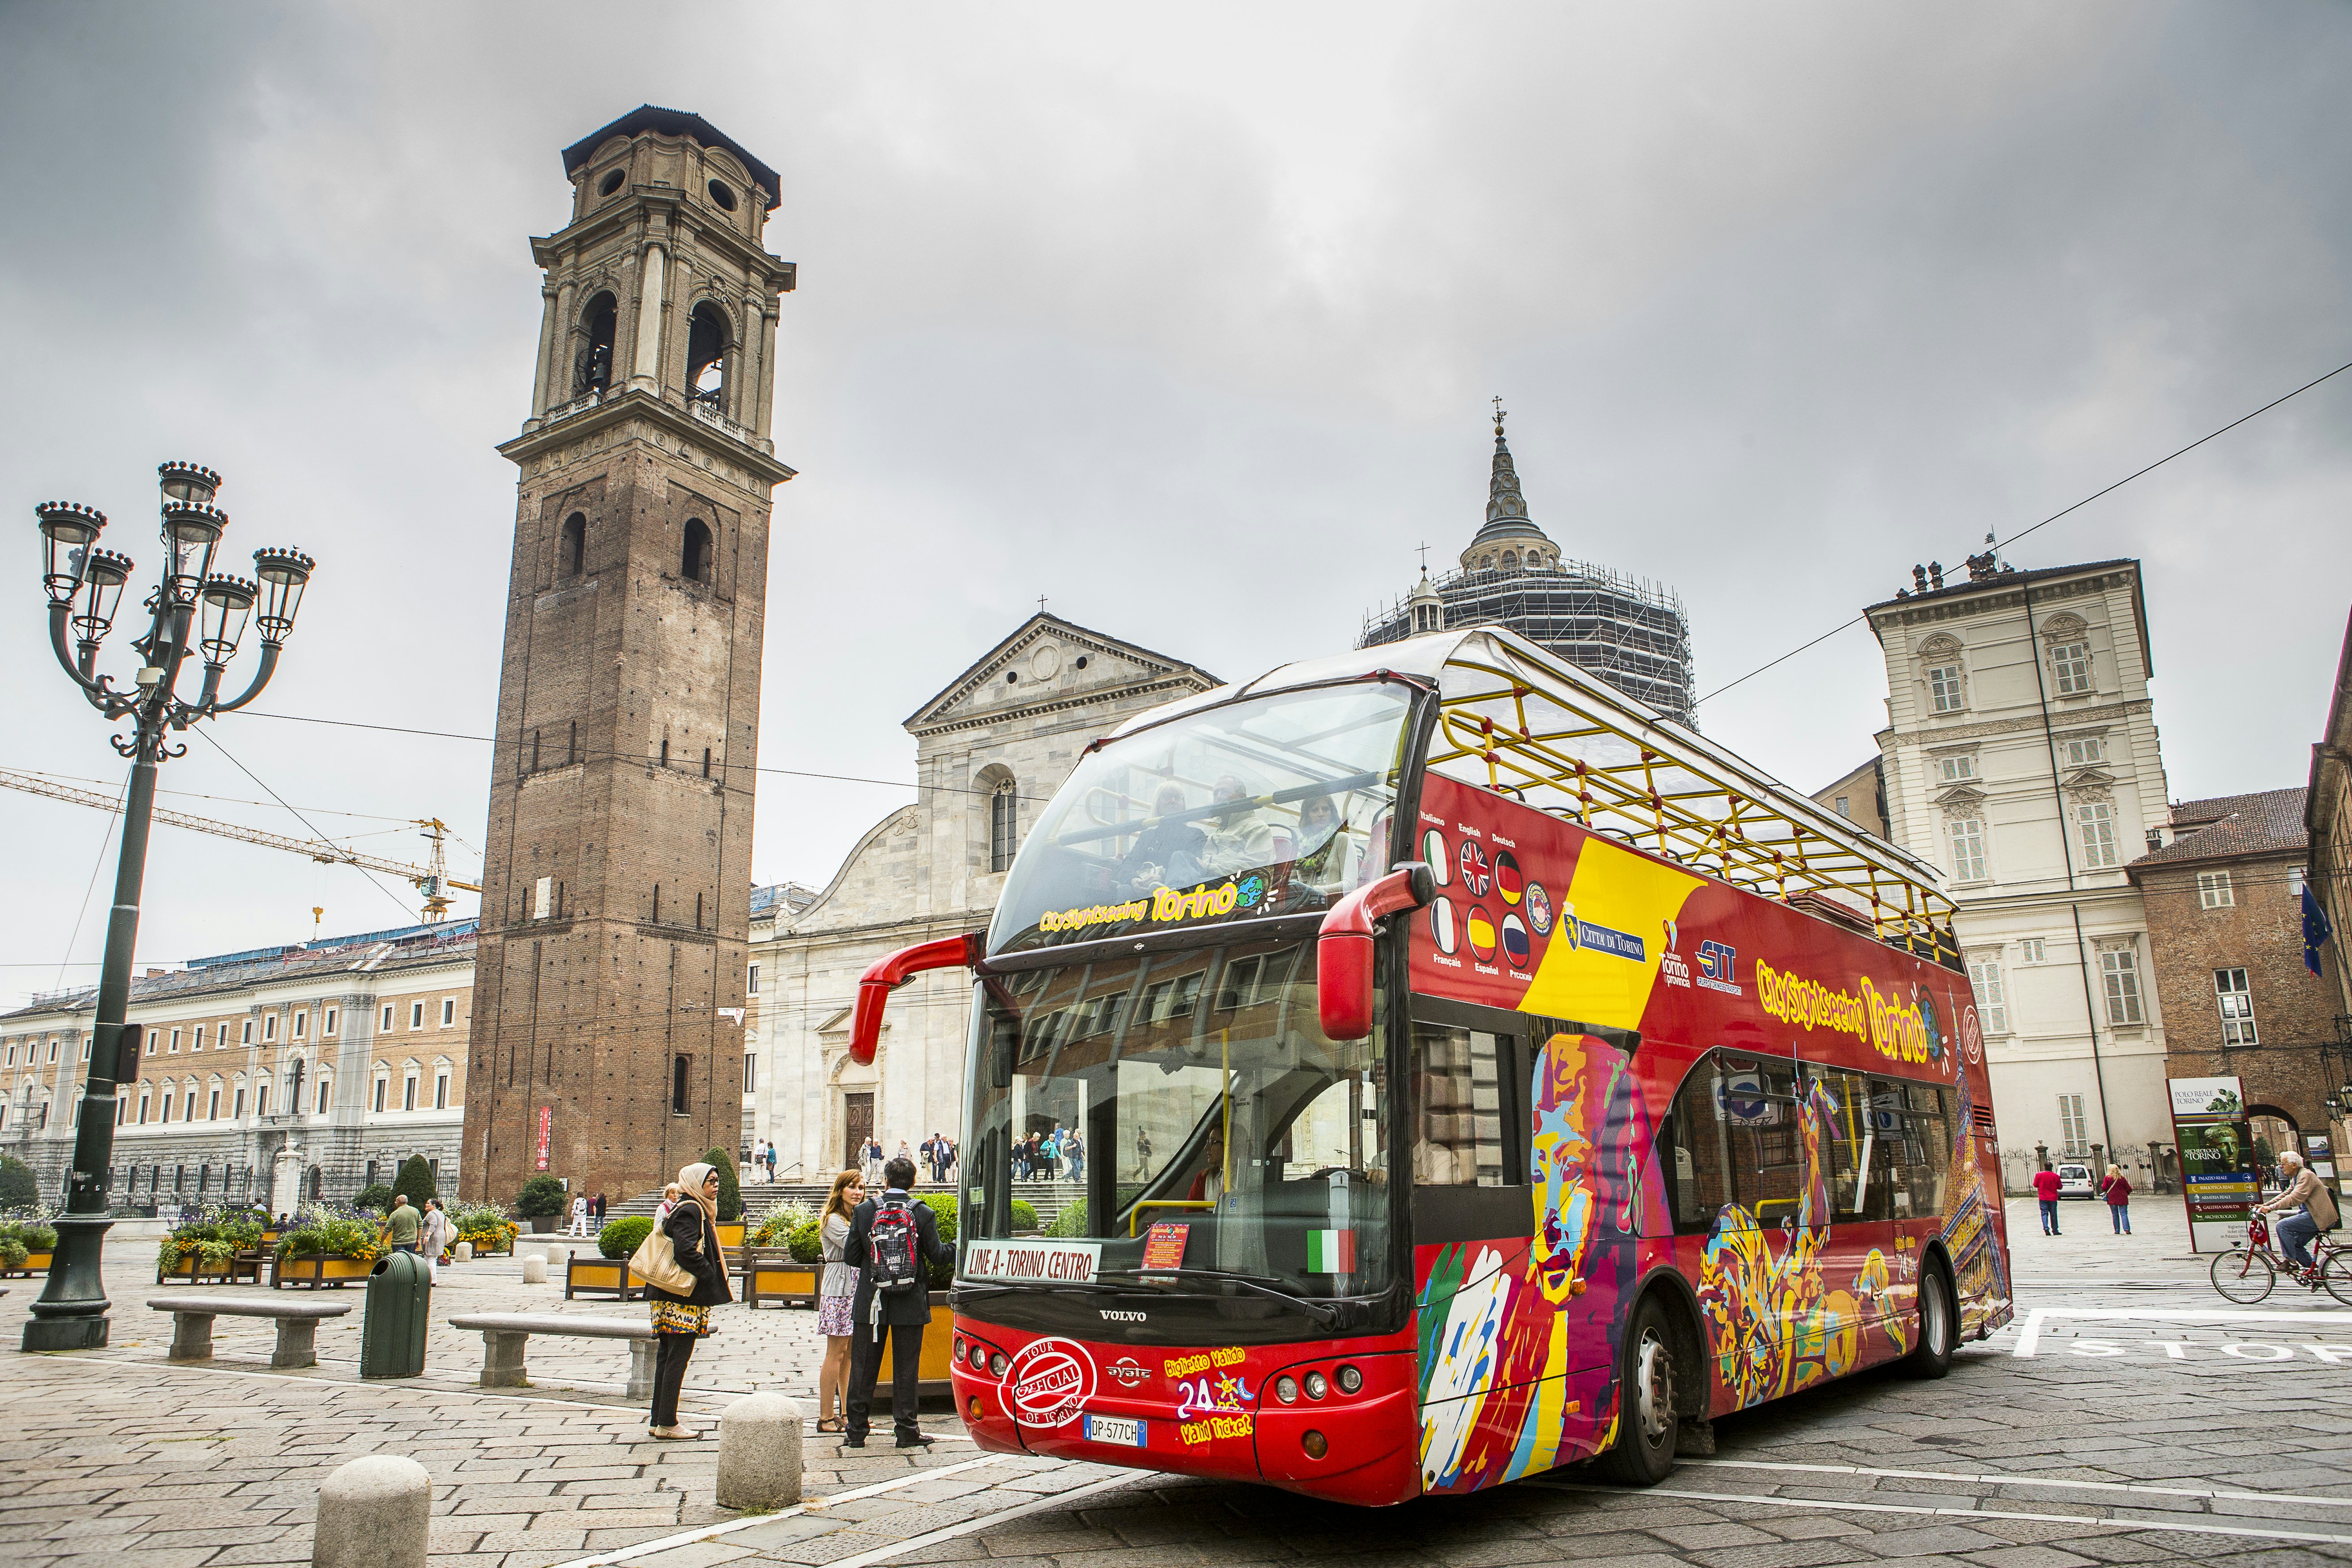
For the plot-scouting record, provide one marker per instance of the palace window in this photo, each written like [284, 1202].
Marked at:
[247, 1037]
[261, 1099]
[2073, 1131]
[2119, 968]
[142, 1110]
[2071, 661]
[1944, 693]
[2084, 750]
[385, 1027]
[326, 1092]
[752, 980]
[237, 1113]
[2214, 893]
[2094, 820]
[2237, 1003]
[382, 1087]
[175, 1043]
[448, 1012]
[189, 1113]
[1967, 834]
[1844, 806]
[327, 1027]
[301, 1026]
[1953, 770]
[1993, 998]
[416, 1014]
[408, 1092]
[750, 1072]
[441, 1092]
[212, 1107]
[270, 1026]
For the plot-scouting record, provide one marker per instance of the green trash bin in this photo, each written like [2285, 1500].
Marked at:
[399, 1303]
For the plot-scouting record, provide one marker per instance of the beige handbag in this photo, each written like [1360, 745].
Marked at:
[655, 1262]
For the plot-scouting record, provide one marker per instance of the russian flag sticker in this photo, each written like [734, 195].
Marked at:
[1516, 945]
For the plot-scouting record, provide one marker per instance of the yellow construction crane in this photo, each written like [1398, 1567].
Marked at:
[432, 880]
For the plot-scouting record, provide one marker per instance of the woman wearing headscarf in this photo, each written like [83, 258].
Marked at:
[692, 1227]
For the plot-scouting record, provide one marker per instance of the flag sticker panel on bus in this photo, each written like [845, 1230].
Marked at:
[1330, 1252]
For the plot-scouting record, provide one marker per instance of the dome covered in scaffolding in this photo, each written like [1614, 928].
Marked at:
[1628, 632]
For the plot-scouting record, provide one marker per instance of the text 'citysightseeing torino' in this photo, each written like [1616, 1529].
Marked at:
[1892, 1028]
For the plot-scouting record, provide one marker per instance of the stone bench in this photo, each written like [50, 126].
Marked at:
[504, 1336]
[298, 1324]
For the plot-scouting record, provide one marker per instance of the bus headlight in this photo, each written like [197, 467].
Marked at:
[979, 1357]
[1317, 1385]
[1350, 1380]
[1286, 1389]
[997, 1363]
[959, 1347]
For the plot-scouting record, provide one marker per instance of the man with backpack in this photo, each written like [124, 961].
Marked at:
[892, 1242]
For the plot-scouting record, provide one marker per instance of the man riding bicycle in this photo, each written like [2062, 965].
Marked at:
[2316, 1212]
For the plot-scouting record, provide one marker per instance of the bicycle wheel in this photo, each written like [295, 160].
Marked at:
[2243, 1275]
[2337, 1275]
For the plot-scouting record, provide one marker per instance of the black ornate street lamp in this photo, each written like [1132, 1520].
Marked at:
[195, 612]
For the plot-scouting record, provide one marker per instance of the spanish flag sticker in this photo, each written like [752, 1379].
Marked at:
[1481, 930]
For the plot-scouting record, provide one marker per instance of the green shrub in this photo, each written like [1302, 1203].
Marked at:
[1024, 1214]
[33, 1237]
[13, 1252]
[416, 1181]
[540, 1197]
[731, 1194]
[377, 1197]
[1070, 1222]
[19, 1188]
[776, 1230]
[943, 1206]
[621, 1237]
[806, 1240]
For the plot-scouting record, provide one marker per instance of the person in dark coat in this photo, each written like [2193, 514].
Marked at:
[895, 1317]
[692, 1227]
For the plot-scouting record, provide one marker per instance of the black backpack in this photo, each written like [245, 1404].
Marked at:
[892, 1249]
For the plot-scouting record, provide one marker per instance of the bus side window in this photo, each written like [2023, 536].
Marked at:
[1923, 1153]
[1457, 1109]
[1695, 1150]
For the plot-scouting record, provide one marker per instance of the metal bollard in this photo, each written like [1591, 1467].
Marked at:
[534, 1270]
[760, 1453]
[373, 1512]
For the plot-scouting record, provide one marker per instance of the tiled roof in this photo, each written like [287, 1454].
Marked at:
[416, 945]
[2268, 823]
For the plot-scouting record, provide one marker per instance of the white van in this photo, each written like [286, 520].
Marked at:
[2074, 1181]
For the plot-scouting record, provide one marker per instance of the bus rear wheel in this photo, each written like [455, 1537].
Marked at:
[1939, 1326]
[1648, 1425]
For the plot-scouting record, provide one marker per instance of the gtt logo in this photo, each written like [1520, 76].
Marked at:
[1717, 961]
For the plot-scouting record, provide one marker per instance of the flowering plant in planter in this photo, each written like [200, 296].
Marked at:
[321, 1229]
[213, 1237]
[484, 1226]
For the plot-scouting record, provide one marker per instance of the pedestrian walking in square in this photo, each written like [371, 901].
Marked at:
[435, 1234]
[401, 1226]
[836, 1297]
[580, 1215]
[681, 1318]
[2117, 1191]
[893, 1240]
[2045, 1187]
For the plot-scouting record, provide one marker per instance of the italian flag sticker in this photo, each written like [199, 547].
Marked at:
[1330, 1252]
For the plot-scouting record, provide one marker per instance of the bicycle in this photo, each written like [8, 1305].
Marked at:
[2248, 1271]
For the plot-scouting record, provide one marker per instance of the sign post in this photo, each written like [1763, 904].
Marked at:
[2218, 1183]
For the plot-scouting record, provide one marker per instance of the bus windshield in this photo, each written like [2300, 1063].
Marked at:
[1208, 1107]
[1271, 806]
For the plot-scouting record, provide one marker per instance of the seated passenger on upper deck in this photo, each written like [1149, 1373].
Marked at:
[1152, 863]
[1325, 855]
[1239, 837]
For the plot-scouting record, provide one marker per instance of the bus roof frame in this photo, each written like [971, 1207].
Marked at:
[1518, 720]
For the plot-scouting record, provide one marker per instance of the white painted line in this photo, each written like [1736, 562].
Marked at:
[884, 1553]
[1832, 1506]
[711, 1531]
[2001, 1480]
[2029, 1337]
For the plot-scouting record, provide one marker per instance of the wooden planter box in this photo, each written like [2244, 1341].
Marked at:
[730, 1233]
[192, 1269]
[487, 1249]
[772, 1276]
[939, 1354]
[35, 1263]
[608, 1277]
[313, 1270]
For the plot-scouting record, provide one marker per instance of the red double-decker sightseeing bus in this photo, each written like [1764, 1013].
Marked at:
[1476, 1073]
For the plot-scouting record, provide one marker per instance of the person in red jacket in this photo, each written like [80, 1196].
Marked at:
[2045, 1187]
[2116, 1189]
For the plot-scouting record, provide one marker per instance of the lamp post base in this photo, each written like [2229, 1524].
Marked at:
[66, 1334]
[72, 1313]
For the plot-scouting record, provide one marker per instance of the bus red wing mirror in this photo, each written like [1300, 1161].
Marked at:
[1345, 960]
[874, 988]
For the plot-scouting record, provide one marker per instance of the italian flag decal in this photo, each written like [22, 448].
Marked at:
[1330, 1252]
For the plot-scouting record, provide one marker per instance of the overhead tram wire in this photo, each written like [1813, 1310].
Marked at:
[2002, 543]
[305, 821]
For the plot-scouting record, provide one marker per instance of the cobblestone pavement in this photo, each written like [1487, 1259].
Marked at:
[2130, 1416]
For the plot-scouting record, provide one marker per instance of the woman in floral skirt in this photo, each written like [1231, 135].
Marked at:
[835, 1289]
[692, 1227]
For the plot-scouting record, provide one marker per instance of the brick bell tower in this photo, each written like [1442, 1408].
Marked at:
[618, 874]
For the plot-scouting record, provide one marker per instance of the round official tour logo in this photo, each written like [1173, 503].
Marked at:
[1049, 1380]
[1971, 1037]
[1540, 908]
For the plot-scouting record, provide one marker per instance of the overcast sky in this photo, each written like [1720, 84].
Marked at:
[1186, 319]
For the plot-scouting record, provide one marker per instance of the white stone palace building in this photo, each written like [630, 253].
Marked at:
[268, 1076]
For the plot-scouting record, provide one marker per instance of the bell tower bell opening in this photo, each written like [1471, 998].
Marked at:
[706, 358]
[595, 358]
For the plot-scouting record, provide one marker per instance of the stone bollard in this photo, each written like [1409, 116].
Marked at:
[465, 1252]
[534, 1270]
[760, 1453]
[373, 1512]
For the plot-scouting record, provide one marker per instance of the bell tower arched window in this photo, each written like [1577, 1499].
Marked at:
[593, 371]
[573, 549]
[693, 559]
[706, 358]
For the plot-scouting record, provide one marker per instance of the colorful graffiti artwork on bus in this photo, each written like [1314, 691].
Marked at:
[1517, 1369]
[1775, 1326]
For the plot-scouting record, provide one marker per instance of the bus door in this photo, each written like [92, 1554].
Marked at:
[1859, 1259]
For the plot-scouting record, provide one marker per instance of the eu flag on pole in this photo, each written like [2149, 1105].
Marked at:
[2315, 930]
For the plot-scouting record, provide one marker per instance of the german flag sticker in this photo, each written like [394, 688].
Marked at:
[1508, 880]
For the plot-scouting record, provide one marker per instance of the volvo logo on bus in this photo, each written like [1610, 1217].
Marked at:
[1108, 1316]
[1048, 1382]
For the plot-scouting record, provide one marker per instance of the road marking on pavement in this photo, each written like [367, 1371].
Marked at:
[2029, 1482]
[2029, 1337]
[898, 1548]
[710, 1531]
[1833, 1506]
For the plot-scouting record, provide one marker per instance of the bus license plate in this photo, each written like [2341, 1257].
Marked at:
[1127, 1431]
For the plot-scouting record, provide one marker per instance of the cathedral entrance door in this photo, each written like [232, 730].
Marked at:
[856, 1126]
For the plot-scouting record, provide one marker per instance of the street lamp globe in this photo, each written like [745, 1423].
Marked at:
[192, 531]
[103, 575]
[283, 574]
[223, 611]
[68, 530]
[187, 482]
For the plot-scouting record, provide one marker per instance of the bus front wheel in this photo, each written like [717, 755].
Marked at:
[1938, 1328]
[1648, 1424]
